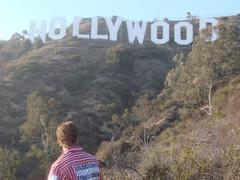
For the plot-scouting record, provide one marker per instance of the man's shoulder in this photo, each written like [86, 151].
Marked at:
[57, 163]
[84, 153]
[75, 155]
[80, 153]
[76, 161]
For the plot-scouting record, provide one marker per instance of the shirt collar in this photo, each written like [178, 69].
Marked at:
[72, 148]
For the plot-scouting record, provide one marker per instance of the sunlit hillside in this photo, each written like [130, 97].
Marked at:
[147, 111]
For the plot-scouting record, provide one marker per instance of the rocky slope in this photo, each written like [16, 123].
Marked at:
[77, 73]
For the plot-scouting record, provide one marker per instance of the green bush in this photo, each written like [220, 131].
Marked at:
[9, 162]
[27, 70]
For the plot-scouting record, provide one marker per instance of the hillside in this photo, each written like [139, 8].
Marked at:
[191, 130]
[84, 80]
[135, 105]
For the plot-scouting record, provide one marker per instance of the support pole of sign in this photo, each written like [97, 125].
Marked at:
[105, 27]
[121, 33]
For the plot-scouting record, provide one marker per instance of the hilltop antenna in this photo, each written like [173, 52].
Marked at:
[191, 17]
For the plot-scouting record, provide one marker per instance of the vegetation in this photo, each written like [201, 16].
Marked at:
[39, 132]
[148, 112]
[38, 43]
[9, 161]
[124, 55]
[197, 136]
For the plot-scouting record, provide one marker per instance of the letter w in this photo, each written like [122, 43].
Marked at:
[135, 31]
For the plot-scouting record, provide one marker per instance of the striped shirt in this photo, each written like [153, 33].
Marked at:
[75, 164]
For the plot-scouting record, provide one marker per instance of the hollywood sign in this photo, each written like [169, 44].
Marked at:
[136, 30]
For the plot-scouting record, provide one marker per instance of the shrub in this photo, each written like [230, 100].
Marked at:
[9, 161]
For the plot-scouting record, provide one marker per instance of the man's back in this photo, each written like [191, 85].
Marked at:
[75, 164]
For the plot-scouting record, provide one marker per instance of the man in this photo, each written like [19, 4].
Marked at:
[74, 163]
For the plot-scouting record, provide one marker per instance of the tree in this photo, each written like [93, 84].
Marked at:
[25, 34]
[17, 37]
[27, 44]
[142, 111]
[113, 54]
[9, 161]
[38, 43]
[144, 108]
[42, 120]
[39, 131]
[209, 63]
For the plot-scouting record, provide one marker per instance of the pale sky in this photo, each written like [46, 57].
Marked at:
[17, 14]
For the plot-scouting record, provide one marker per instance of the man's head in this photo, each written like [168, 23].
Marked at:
[67, 134]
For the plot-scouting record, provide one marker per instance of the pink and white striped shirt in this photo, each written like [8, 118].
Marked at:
[75, 164]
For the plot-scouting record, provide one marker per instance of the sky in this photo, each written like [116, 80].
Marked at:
[16, 15]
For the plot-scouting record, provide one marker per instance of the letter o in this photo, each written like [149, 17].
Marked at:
[177, 33]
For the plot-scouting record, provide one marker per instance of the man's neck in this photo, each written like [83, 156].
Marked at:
[66, 148]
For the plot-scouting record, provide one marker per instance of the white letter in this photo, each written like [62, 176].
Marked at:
[135, 31]
[189, 33]
[113, 29]
[41, 31]
[94, 30]
[214, 22]
[53, 178]
[165, 33]
[57, 22]
[76, 22]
